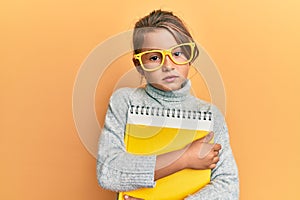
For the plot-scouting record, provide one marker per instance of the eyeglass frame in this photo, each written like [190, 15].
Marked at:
[164, 53]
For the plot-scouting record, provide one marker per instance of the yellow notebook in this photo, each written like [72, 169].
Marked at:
[153, 131]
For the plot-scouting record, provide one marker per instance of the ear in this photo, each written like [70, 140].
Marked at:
[138, 66]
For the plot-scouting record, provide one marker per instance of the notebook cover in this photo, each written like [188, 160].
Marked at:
[161, 132]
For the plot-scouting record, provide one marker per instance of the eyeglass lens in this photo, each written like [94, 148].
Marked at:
[179, 55]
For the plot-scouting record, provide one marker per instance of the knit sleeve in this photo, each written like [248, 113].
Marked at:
[118, 170]
[224, 178]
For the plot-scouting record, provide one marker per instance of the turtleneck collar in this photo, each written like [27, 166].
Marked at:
[171, 96]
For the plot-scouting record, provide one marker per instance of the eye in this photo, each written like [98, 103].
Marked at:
[154, 58]
[177, 53]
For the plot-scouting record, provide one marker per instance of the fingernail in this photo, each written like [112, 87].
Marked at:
[126, 196]
[209, 136]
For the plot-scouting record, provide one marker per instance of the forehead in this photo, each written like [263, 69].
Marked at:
[159, 39]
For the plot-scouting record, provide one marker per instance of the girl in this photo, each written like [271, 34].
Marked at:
[163, 53]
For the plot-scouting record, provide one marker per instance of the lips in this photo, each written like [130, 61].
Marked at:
[170, 78]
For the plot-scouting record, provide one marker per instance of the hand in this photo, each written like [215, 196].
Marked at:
[126, 197]
[202, 155]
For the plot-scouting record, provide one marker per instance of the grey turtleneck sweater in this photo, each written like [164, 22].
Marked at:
[118, 170]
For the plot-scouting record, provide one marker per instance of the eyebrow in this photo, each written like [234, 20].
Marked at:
[149, 49]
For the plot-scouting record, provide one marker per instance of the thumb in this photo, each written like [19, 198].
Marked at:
[208, 137]
[206, 148]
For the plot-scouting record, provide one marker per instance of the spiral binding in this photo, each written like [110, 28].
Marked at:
[171, 112]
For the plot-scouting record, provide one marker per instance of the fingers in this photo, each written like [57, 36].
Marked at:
[126, 197]
[214, 162]
[217, 147]
[216, 153]
[206, 149]
[210, 153]
[216, 159]
[212, 166]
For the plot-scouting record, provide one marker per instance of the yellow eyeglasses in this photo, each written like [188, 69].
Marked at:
[154, 59]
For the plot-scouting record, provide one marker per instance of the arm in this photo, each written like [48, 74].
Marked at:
[118, 170]
[224, 179]
[198, 155]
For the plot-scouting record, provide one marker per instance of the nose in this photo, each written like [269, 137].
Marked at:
[168, 64]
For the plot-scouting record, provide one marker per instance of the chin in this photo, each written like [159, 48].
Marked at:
[170, 87]
[175, 88]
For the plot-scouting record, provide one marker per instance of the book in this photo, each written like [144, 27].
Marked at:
[154, 131]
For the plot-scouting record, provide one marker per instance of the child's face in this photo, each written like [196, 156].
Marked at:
[170, 76]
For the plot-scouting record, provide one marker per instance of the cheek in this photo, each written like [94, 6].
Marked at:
[184, 70]
[149, 76]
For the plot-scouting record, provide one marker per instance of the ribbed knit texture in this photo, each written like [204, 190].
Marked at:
[118, 170]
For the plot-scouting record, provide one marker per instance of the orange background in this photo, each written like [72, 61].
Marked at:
[255, 45]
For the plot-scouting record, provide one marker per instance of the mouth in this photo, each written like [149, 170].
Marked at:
[170, 79]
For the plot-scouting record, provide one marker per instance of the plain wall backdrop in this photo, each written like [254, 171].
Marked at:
[255, 45]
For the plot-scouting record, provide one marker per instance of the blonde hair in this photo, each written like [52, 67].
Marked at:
[161, 19]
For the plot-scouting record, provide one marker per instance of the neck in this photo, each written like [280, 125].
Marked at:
[170, 95]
